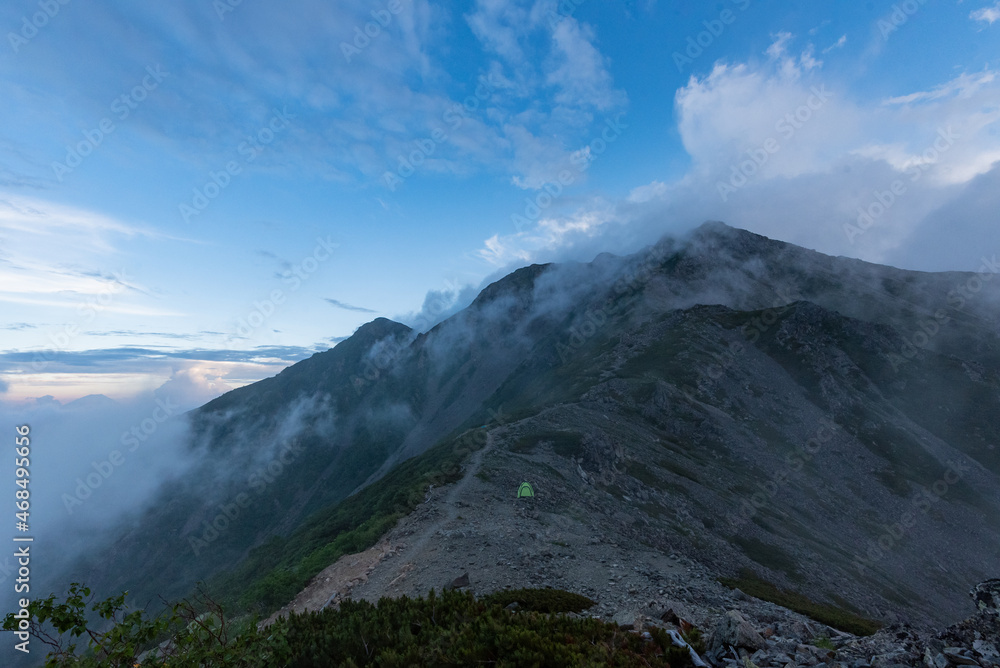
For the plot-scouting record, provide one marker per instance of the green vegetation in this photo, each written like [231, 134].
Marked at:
[749, 583]
[541, 600]
[183, 637]
[452, 628]
[652, 509]
[276, 571]
[768, 555]
[672, 465]
[824, 643]
[642, 473]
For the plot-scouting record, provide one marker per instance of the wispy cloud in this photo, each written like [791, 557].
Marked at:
[963, 86]
[47, 219]
[552, 60]
[349, 307]
[135, 334]
[77, 305]
[779, 44]
[284, 265]
[836, 45]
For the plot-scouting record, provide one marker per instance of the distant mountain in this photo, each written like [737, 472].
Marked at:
[91, 402]
[757, 405]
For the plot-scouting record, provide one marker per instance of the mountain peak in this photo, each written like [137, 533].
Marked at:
[520, 280]
[713, 236]
[379, 328]
[716, 227]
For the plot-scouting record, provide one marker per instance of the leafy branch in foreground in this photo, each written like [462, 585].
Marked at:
[190, 633]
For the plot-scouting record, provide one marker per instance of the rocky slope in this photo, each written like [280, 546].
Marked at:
[469, 536]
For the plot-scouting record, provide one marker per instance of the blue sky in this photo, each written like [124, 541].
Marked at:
[194, 195]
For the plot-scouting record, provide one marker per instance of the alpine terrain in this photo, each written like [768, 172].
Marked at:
[724, 430]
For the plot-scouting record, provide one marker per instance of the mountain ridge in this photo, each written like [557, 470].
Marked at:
[725, 348]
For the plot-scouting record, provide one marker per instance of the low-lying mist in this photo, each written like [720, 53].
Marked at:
[95, 463]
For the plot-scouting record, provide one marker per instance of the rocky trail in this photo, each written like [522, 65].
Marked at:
[448, 505]
[339, 580]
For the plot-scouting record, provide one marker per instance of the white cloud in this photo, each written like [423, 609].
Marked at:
[55, 221]
[192, 384]
[986, 14]
[578, 70]
[502, 252]
[646, 193]
[558, 83]
[779, 45]
[61, 257]
[963, 86]
[537, 160]
[836, 45]
[739, 108]
[807, 61]
[833, 158]
[552, 235]
[499, 25]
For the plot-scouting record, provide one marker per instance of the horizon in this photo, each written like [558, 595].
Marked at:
[423, 322]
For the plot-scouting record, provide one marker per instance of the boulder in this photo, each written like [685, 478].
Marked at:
[460, 582]
[986, 596]
[733, 630]
[628, 619]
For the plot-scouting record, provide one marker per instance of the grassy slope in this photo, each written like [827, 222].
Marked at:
[279, 569]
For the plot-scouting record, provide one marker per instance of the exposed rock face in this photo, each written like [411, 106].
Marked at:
[733, 630]
[987, 597]
[460, 582]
